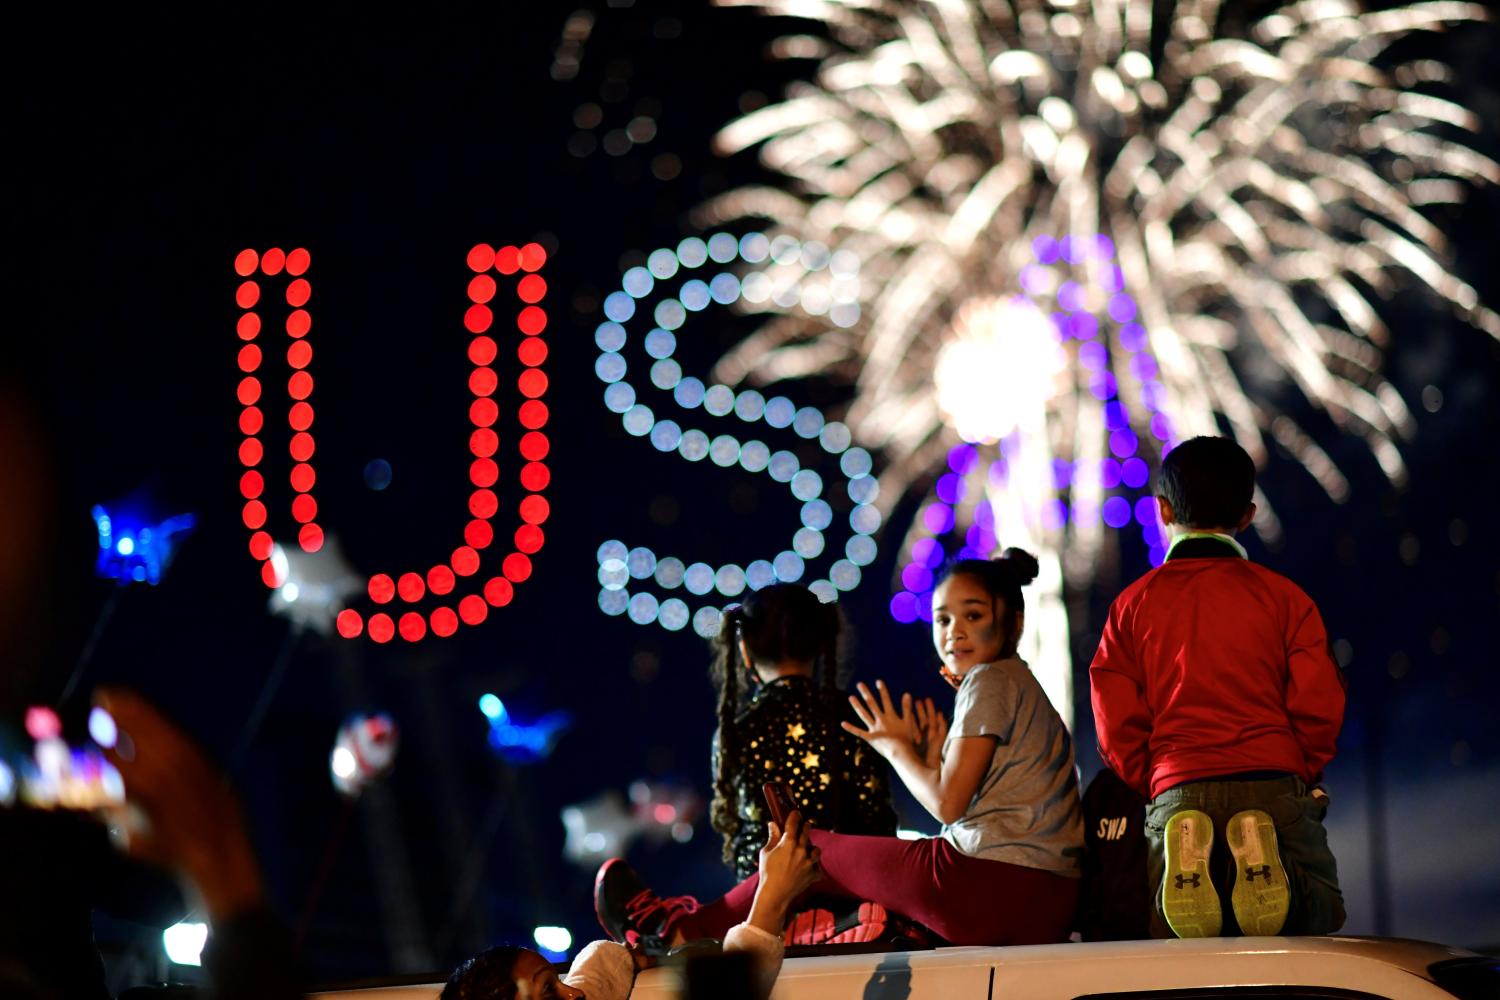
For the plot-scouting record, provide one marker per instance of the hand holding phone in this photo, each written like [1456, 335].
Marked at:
[780, 801]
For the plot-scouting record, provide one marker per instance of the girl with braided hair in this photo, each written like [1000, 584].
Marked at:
[781, 710]
[1005, 869]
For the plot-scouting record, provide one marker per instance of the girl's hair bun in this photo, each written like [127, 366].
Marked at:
[1020, 564]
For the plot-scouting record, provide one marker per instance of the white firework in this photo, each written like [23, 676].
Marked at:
[1068, 250]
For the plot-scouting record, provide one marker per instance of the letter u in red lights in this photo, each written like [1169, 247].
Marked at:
[444, 583]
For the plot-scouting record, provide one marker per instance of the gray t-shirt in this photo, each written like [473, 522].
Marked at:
[1026, 811]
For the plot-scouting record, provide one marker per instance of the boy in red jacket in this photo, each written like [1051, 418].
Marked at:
[1214, 695]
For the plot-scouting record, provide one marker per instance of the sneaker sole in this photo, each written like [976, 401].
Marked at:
[1261, 894]
[598, 888]
[1188, 898]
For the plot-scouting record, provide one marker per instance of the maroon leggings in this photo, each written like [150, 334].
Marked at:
[964, 900]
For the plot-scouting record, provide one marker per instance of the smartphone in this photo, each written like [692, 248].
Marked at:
[44, 765]
[780, 801]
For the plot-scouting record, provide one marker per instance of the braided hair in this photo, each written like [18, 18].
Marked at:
[1002, 578]
[784, 621]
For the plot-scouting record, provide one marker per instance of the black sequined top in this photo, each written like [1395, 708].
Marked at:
[790, 732]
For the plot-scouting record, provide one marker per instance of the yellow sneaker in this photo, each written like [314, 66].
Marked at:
[1261, 895]
[1188, 899]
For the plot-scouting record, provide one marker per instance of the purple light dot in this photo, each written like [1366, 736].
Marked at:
[1134, 473]
[1161, 427]
[1103, 385]
[950, 489]
[969, 552]
[984, 516]
[1151, 533]
[1154, 395]
[924, 607]
[1145, 511]
[904, 607]
[1116, 512]
[1062, 324]
[1110, 278]
[961, 458]
[1133, 337]
[1062, 473]
[1033, 279]
[973, 536]
[1085, 326]
[916, 577]
[999, 472]
[1109, 473]
[1093, 355]
[1045, 249]
[1054, 515]
[1158, 555]
[1121, 308]
[1143, 366]
[928, 552]
[938, 518]
[1122, 444]
[1114, 416]
[1104, 247]
[1074, 249]
[1070, 296]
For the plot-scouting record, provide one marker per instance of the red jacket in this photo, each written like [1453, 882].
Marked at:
[1211, 666]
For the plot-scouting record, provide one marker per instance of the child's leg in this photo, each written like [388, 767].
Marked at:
[1317, 903]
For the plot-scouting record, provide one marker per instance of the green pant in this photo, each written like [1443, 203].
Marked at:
[1317, 905]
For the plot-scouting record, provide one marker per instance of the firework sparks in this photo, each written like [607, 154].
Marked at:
[1237, 206]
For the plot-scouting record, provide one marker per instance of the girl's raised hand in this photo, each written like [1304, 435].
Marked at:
[886, 729]
[932, 727]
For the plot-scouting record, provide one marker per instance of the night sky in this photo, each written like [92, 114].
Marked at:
[149, 146]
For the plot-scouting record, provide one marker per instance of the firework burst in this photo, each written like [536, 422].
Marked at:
[1073, 255]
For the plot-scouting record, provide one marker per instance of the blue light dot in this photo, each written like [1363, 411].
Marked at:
[784, 466]
[706, 622]
[808, 543]
[613, 575]
[669, 314]
[722, 248]
[730, 580]
[780, 411]
[613, 549]
[865, 519]
[759, 574]
[754, 247]
[754, 456]
[719, 400]
[861, 550]
[824, 591]
[844, 574]
[1116, 512]
[817, 514]
[638, 420]
[619, 306]
[619, 397]
[725, 289]
[666, 435]
[643, 608]
[694, 296]
[789, 567]
[692, 251]
[689, 392]
[613, 602]
[694, 446]
[641, 562]
[662, 264]
[698, 578]
[807, 422]
[638, 282]
[724, 451]
[669, 572]
[749, 405]
[491, 706]
[844, 314]
[855, 462]
[660, 344]
[102, 728]
[609, 336]
[835, 437]
[610, 367]
[807, 485]
[673, 615]
[864, 489]
[666, 373]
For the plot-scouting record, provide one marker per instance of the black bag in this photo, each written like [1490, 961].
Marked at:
[1116, 903]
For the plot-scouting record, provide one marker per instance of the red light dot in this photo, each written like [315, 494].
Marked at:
[303, 477]
[248, 391]
[507, 260]
[413, 626]
[484, 442]
[479, 534]
[440, 580]
[498, 592]
[532, 414]
[483, 412]
[273, 261]
[477, 318]
[298, 292]
[310, 538]
[534, 509]
[516, 567]
[300, 385]
[269, 576]
[302, 447]
[481, 257]
[482, 503]
[535, 476]
[532, 382]
[481, 288]
[254, 515]
[247, 294]
[483, 472]
[251, 485]
[531, 288]
[382, 629]
[251, 451]
[245, 262]
[260, 545]
[482, 381]
[534, 446]
[350, 624]
[251, 420]
[532, 321]
[297, 261]
[532, 352]
[248, 326]
[444, 622]
[410, 587]
[529, 538]
[300, 416]
[298, 322]
[304, 508]
[465, 561]
[382, 588]
[249, 358]
[473, 610]
[299, 355]
[482, 350]
[533, 257]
